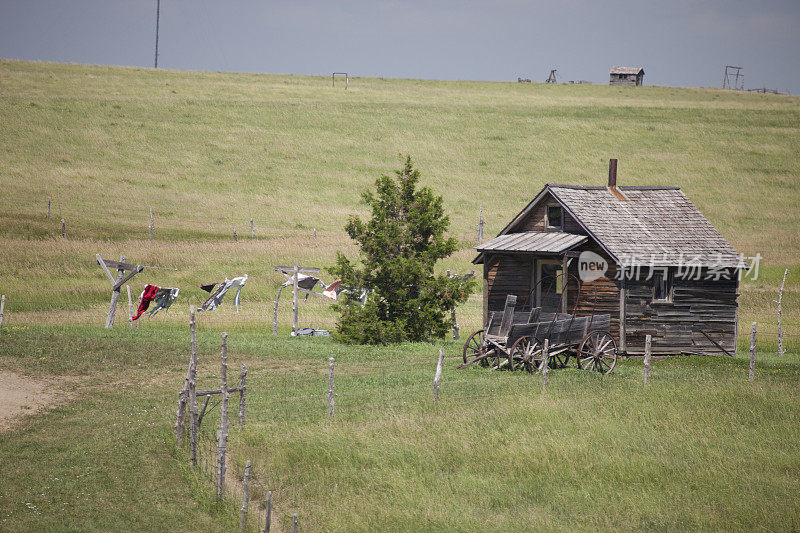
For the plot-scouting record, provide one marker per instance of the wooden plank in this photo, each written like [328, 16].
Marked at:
[564, 284]
[216, 391]
[508, 315]
[623, 294]
[295, 301]
[121, 282]
[304, 270]
[102, 263]
[112, 310]
[222, 433]
[118, 264]
[438, 375]
[717, 344]
[752, 369]
[331, 393]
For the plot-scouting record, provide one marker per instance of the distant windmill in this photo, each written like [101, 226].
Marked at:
[552, 77]
[733, 72]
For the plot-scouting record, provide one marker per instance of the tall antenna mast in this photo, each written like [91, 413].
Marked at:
[158, 15]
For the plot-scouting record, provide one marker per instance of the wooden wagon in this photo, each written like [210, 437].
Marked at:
[517, 340]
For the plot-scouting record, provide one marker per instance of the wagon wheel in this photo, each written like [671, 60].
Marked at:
[598, 351]
[527, 352]
[475, 347]
[558, 360]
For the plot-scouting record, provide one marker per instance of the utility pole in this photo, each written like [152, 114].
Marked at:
[158, 16]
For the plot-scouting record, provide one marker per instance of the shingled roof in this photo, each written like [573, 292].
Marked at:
[651, 222]
[627, 70]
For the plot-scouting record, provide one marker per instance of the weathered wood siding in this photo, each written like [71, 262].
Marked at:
[626, 79]
[598, 297]
[537, 218]
[698, 306]
[508, 274]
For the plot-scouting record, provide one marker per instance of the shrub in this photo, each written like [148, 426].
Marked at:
[400, 245]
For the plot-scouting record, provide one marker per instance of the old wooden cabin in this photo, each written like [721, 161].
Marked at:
[669, 272]
[626, 76]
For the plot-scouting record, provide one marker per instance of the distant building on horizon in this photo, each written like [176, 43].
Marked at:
[627, 76]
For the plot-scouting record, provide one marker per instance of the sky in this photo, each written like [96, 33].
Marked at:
[684, 43]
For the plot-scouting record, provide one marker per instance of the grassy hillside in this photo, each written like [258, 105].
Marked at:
[700, 449]
[208, 151]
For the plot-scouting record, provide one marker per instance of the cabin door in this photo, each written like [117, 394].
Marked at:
[549, 285]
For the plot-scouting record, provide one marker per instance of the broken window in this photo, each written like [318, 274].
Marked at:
[555, 216]
[662, 286]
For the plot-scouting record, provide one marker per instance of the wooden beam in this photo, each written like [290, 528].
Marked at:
[120, 283]
[717, 344]
[112, 310]
[564, 282]
[118, 264]
[623, 297]
[216, 391]
[304, 270]
[102, 263]
[295, 300]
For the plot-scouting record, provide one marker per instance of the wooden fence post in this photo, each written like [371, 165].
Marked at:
[751, 374]
[330, 387]
[183, 396]
[112, 310]
[222, 434]
[48, 209]
[780, 299]
[252, 230]
[2, 308]
[246, 497]
[130, 307]
[235, 237]
[438, 376]
[63, 228]
[268, 512]
[193, 390]
[647, 350]
[480, 226]
[294, 523]
[545, 363]
[242, 393]
[295, 299]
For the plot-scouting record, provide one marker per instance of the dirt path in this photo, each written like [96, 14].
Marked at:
[20, 396]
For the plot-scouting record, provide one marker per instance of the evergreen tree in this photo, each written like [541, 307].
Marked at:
[399, 246]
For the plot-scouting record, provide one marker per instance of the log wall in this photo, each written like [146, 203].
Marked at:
[698, 306]
[508, 274]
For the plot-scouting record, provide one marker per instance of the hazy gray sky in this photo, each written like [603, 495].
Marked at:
[680, 43]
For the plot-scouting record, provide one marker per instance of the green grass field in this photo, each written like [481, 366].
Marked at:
[701, 448]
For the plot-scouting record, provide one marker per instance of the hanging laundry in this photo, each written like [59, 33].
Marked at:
[216, 297]
[332, 291]
[209, 287]
[163, 299]
[147, 296]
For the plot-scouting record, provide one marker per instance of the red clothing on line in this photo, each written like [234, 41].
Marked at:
[147, 297]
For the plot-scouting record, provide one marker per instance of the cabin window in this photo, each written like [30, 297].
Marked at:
[662, 286]
[555, 216]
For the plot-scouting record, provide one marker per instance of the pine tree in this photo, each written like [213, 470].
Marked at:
[400, 246]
